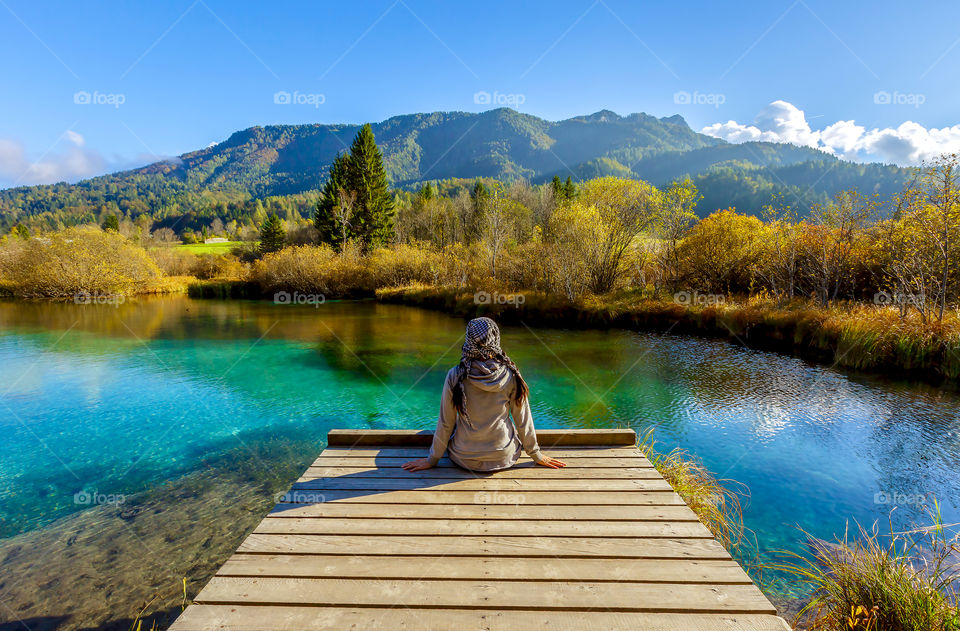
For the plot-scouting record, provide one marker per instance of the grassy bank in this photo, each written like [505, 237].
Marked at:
[855, 336]
[902, 581]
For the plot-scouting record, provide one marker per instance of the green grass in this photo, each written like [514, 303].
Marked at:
[716, 502]
[862, 583]
[209, 248]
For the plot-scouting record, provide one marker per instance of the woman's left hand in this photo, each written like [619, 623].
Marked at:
[417, 465]
[553, 463]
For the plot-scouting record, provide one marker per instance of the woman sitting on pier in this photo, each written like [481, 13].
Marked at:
[479, 395]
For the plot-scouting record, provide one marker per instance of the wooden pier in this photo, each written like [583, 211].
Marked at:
[603, 544]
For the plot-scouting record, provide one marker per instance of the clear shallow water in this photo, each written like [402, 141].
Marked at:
[98, 401]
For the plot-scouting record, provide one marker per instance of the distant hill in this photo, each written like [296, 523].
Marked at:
[283, 160]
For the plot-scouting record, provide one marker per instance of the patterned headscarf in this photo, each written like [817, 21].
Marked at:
[482, 342]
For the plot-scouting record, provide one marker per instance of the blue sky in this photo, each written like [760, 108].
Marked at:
[169, 77]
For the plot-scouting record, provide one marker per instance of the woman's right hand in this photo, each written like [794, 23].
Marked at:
[553, 463]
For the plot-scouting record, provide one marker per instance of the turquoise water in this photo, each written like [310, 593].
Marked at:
[100, 401]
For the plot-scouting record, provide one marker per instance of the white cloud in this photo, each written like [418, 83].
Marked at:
[68, 161]
[908, 144]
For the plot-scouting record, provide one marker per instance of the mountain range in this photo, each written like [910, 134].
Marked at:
[285, 160]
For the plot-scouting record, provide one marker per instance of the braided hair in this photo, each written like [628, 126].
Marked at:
[481, 342]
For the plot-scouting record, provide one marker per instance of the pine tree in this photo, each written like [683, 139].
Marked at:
[110, 222]
[569, 189]
[330, 220]
[426, 192]
[558, 192]
[272, 234]
[366, 177]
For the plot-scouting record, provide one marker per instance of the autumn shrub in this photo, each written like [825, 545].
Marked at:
[173, 261]
[720, 254]
[311, 269]
[81, 260]
[402, 264]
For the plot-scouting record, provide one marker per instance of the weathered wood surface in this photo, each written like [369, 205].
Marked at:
[359, 543]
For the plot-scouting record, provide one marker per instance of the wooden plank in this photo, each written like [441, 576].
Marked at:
[479, 484]
[452, 473]
[515, 527]
[281, 618]
[497, 595]
[593, 463]
[596, 451]
[551, 547]
[560, 498]
[359, 543]
[486, 568]
[413, 438]
[485, 511]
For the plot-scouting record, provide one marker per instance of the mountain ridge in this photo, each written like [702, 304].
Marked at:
[283, 160]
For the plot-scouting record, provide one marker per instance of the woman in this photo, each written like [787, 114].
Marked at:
[478, 396]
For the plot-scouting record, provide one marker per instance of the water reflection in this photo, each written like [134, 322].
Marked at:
[123, 399]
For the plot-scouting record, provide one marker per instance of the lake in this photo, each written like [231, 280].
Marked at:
[142, 441]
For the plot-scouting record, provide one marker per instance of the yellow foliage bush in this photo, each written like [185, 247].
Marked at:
[403, 265]
[310, 269]
[76, 261]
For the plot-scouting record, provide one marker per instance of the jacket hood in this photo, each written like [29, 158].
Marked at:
[489, 375]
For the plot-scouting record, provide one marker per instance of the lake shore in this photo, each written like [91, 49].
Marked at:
[854, 337]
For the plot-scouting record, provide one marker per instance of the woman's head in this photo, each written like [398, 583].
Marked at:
[482, 339]
[482, 342]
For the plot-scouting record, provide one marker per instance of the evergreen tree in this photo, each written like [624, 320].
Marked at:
[366, 177]
[569, 189]
[329, 217]
[426, 192]
[272, 234]
[21, 231]
[110, 222]
[558, 192]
